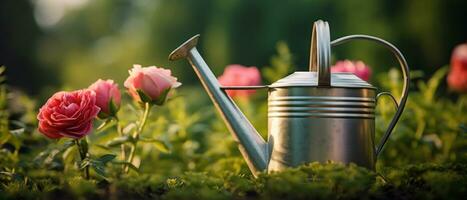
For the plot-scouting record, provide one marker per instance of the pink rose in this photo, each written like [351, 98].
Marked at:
[68, 114]
[239, 75]
[356, 67]
[107, 97]
[150, 84]
[457, 77]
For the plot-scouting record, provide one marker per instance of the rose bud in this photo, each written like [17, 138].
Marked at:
[356, 67]
[457, 77]
[239, 75]
[107, 97]
[68, 114]
[150, 84]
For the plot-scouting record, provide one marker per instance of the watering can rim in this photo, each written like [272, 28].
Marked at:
[310, 79]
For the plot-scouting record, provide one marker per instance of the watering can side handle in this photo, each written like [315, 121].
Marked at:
[391, 97]
[405, 74]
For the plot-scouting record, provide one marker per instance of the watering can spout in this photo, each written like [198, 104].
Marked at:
[252, 146]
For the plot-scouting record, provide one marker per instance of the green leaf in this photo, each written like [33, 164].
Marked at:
[99, 164]
[4, 137]
[17, 131]
[99, 169]
[47, 156]
[67, 145]
[163, 97]
[113, 108]
[106, 158]
[158, 144]
[118, 141]
[103, 115]
[162, 147]
[69, 155]
[143, 96]
[281, 63]
[130, 165]
[434, 82]
[104, 147]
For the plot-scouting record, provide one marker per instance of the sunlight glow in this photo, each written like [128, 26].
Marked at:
[49, 12]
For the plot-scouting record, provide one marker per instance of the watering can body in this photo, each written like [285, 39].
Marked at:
[313, 115]
[308, 123]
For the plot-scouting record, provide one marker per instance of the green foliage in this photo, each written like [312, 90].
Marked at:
[436, 178]
[313, 181]
[281, 64]
[4, 129]
[430, 128]
[50, 159]
[329, 181]
[158, 144]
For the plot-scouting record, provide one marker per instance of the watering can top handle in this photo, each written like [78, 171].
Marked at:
[320, 52]
[405, 74]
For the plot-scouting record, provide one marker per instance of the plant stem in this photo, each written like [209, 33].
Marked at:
[122, 146]
[103, 125]
[135, 135]
[82, 154]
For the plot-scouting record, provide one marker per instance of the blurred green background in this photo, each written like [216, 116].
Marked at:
[68, 44]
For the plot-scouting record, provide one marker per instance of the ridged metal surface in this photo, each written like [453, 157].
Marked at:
[309, 124]
[321, 106]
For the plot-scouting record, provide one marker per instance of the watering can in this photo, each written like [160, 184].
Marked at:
[313, 115]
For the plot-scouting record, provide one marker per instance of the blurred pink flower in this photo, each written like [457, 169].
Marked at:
[356, 67]
[457, 77]
[239, 75]
[152, 83]
[107, 97]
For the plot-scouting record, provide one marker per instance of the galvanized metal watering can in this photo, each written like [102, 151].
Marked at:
[313, 115]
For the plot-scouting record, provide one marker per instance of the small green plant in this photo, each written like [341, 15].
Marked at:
[430, 128]
[281, 64]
